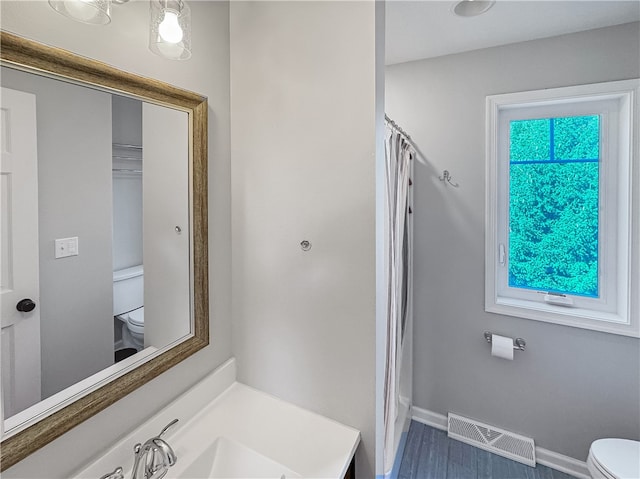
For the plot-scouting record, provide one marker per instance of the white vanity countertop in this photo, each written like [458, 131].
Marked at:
[308, 444]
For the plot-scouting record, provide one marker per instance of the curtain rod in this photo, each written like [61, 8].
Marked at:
[396, 126]
[418, 154]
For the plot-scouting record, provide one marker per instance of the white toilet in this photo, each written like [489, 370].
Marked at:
[614, 459]
[128, 305]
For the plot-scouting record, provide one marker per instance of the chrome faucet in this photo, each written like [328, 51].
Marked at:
[153, 458]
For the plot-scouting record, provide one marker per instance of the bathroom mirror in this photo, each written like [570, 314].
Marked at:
[101, 206]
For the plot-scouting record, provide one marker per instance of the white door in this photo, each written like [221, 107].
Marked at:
[165, 225]
[20, 340]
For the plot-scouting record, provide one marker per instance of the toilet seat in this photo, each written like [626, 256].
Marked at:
[135, 320]
[596, 470]
[615, 458]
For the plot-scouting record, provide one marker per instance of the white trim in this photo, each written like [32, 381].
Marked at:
[429, 418]
[624, 320]
[562, 463]
[545, 457]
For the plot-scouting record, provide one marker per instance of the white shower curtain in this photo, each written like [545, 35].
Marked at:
[398, 156]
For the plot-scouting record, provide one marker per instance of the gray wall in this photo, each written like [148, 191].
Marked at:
[126, 120]
[123, 43]
[303, 144]
[74, 188]
[571, 386]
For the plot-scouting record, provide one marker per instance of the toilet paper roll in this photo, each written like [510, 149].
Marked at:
[502, 347]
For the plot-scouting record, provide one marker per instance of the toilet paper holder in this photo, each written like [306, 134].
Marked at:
[518, 343]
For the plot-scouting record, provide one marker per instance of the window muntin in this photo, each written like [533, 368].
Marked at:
[553, 204]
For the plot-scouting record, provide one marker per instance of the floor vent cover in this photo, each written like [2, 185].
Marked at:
[492, 439]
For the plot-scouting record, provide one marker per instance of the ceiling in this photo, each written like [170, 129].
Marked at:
[428, 28]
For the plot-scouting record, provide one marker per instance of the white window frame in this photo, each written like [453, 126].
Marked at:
[617, 309]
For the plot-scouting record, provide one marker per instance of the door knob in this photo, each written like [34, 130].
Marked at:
[25, 305]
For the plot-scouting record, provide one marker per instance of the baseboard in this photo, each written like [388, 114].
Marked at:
[562, 463]
[548, 458]
[429, 418]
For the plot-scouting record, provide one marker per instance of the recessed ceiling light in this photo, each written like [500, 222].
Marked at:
[472, 8]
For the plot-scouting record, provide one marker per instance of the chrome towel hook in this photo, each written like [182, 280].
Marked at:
[446, 176]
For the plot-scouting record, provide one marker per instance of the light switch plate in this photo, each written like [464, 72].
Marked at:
[66, 247]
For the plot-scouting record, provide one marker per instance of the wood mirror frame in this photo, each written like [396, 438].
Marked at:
[34, 57]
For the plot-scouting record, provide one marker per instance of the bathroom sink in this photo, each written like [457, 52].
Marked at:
[241, 433]
[228, 459]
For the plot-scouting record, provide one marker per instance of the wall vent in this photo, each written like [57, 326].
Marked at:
[492, 439]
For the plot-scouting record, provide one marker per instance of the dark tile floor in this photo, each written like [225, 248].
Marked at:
[430, 454]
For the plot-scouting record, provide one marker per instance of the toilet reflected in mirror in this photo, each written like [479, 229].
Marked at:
[128, 283]
[128, 310]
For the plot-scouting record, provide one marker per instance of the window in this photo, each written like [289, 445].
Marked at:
[553, 205]
[560, 185]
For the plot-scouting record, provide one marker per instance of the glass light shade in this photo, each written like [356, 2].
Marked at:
[170, 29]
[95, 12]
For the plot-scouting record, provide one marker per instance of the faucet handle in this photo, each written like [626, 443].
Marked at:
[116, 474]
[167, 427]
[168, 455]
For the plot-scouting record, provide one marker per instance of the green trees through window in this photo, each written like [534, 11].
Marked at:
[553, 204]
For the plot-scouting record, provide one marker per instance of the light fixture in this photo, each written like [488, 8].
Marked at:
[472, 8]
[96, 12]
[170, 29]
